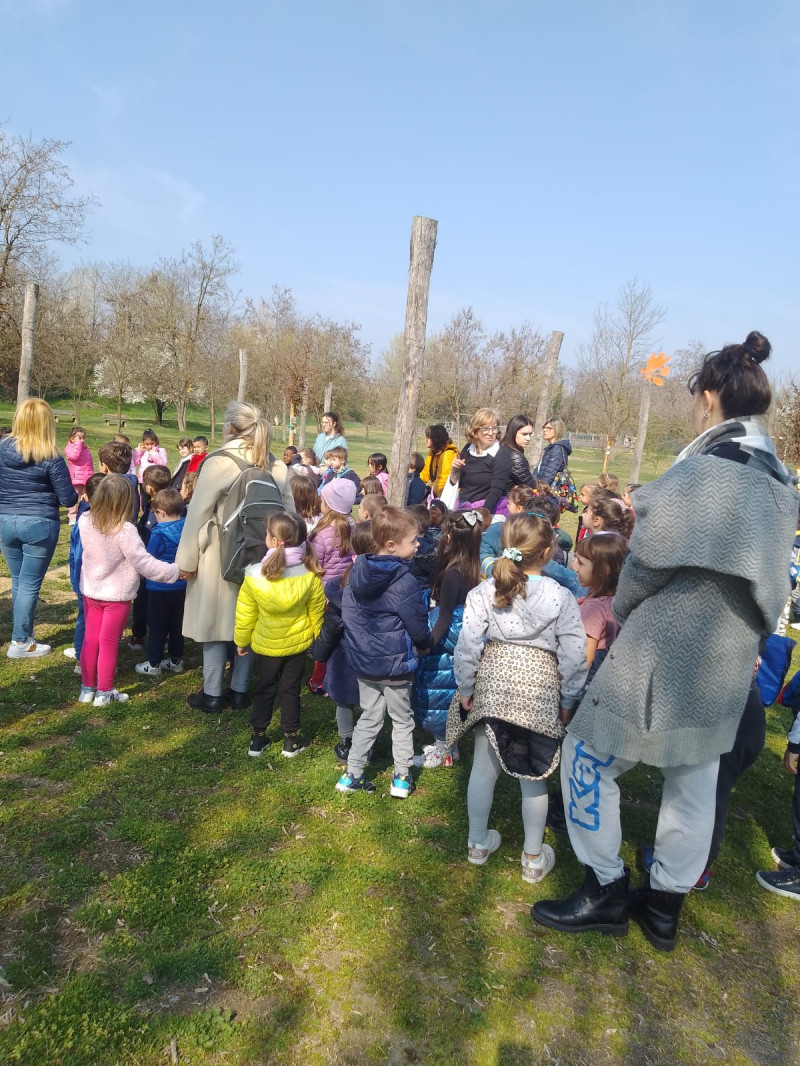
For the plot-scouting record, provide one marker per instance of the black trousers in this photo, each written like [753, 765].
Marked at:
[281, 677]
[750, 737]
[139, 612]
[164, 624]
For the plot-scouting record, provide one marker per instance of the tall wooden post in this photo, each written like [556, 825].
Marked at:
[641, 433]
[545, 392]
[28, 328]
[301, 436]
[328, 396]
[423, 245]
[240, 395]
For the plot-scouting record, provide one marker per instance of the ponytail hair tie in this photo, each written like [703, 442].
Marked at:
[512, 553]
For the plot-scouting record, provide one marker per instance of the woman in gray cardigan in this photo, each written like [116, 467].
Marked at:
[705, 579]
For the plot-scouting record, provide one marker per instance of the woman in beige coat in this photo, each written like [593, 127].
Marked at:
[210, 610]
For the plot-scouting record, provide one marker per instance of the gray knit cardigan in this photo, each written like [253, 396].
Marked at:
[706, 576]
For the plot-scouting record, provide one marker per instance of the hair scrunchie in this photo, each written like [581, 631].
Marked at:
[512, 553]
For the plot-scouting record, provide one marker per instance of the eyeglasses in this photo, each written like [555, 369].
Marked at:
[489, 430]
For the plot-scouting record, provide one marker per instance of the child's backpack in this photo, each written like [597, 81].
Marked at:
[252, 498]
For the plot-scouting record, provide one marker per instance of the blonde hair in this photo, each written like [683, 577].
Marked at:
[290, 530]
[249, 423]
[484, 416]
[34, 431]
[112, 504]
[609, 481]
[373, 504]
[558, 427]
[532, 537]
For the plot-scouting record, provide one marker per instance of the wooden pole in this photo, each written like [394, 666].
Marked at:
[545, 393]
[423, 245]
[28, 328]
[301, 435]
[240, 395]
[641, 433]
[328, 396]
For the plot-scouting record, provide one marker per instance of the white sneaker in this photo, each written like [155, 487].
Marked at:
[148, 669]
[27, 649]
[477, 854]
[76, 669]
[535, 870]
[174, 666]
[69, 653]
[102, 699]
[87, 694]
[432, 757]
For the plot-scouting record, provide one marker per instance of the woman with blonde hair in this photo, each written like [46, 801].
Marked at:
[34, 483]
[479, 483]
[210, 611]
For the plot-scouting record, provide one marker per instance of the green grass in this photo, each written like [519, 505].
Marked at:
[158, 885]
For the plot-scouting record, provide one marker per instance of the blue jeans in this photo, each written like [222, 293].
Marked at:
[27, 544]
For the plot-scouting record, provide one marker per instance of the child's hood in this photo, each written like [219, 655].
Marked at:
[171, 531]
[372, 575]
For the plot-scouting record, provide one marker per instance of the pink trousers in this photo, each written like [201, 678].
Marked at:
[105, 622]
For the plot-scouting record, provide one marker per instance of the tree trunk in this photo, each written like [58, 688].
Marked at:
[641, 433]
[301, 436]
[159, 406]
[119, 413]
[240, 395]
[180, 408]
[545, 392]
[212, 410]
[423, 245]
[28, 327]
[283, 419]
[328, 396]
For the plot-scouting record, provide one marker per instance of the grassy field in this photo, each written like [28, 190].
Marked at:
[164, 898]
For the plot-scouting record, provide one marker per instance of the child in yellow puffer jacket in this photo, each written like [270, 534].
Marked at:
[279, 614]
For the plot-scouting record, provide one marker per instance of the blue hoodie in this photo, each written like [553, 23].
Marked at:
[163, 544]
[385, 618]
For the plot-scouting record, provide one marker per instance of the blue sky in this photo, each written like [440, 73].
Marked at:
[562, 148]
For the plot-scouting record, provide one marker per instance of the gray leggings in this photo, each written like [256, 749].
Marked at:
[486, 769]
[216, 654]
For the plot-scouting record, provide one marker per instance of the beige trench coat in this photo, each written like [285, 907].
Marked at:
[210, 610]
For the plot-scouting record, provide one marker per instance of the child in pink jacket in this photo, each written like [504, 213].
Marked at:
[114, 558]
[148, 453]
[80, 464]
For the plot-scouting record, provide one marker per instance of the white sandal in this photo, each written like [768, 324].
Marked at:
[478, 855]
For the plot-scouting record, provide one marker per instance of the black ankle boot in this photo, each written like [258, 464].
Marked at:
[591, 908]
[201, 701]
[656, 913]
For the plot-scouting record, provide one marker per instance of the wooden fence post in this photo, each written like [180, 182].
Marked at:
[328, 396]
[28, 327]
[242, 375]
[545, 392]
[641, 433]
[423, 245]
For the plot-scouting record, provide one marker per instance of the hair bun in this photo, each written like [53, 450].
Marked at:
[757, 345]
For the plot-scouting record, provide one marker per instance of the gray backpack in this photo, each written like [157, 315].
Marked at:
[251, 499]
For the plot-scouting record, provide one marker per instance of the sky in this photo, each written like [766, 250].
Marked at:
[563, 149]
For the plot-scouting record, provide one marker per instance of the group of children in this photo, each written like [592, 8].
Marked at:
[334, 466]
[124, 538]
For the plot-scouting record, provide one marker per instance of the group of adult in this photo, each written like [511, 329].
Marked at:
[695, 602]
[485, 470]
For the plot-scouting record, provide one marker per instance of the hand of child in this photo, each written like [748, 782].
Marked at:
[242, 651]
[565, 716]
[790, 761]
[186, 575]
[466, 702]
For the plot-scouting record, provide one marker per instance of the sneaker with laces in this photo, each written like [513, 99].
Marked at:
[477, 854]
[644, 860]
[784, 858]
[342, 749]
[433, 757]
[258, 742]
[102, 699]
[781, 882]
[148, 669]
[536, 869]
[87, 694]
[69, 653]
[348, 783]
[292, 745]
[172, 666]
[402, 786]
[26, 649]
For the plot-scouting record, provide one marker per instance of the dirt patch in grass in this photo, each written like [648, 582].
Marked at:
[29, 783]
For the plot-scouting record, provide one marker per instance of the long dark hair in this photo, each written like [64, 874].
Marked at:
[459, 546]
[438, 436]
[515, 424]
[735, 374]
[338, 428]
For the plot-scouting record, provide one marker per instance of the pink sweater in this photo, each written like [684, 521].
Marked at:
[113, 563]
[79, 460]
[333, 563]
[142, 458]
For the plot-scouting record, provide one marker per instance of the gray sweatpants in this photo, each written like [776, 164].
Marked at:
[376, 699]
[486, 769]
[215, 654]
[685, 818]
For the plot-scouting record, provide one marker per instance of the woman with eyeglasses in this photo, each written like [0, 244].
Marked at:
[332, 435]
[481, 482]
[556, 453]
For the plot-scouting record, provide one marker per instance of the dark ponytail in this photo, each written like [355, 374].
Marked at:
[735, 374]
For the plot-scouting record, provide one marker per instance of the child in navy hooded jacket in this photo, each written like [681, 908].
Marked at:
[385, 627]
[165, 602]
